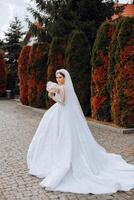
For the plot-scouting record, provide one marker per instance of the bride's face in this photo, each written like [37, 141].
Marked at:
[60, 79]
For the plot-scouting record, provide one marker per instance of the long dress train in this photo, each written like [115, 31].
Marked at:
[65, 154]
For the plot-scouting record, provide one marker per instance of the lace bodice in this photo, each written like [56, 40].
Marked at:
[58, 96]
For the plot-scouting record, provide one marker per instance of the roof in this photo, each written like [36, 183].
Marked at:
[127, 12]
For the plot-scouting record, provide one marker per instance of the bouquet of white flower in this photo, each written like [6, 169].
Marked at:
[52, 87]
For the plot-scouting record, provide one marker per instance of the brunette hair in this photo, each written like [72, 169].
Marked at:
[61, 74]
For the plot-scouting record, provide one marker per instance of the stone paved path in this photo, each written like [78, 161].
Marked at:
[17, 126]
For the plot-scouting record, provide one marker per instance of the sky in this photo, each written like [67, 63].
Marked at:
[11, 8]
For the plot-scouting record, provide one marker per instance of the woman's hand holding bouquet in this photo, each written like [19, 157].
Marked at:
[52, 88]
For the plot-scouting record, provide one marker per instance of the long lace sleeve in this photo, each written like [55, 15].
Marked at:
[59, 96]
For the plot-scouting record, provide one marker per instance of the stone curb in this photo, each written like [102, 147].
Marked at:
[111, 128]
[91, 123]
[40, 110]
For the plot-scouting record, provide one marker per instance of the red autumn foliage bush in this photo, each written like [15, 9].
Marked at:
[22, 74]
[37, 74]
[100, 100]
[122, 95]
[56, 60]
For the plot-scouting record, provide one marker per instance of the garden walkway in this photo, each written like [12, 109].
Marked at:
[18, 124]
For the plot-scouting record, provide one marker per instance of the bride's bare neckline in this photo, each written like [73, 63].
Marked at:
[61, 85]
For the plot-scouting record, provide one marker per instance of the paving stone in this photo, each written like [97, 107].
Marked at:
[18, 124]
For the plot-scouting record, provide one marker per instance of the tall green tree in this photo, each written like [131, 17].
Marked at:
[12, 47]
[63, 16]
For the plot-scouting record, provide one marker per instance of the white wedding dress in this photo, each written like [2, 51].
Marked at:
[64, 153]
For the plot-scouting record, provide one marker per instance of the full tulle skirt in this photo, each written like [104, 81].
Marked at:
[64, 153]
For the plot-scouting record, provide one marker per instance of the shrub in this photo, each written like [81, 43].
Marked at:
[55, 61]
[77, 59]
[22, 74]
[100, 98]
[122, 96]
[2, 75]
[37, 74]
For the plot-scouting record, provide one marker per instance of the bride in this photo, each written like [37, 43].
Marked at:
[64, 153]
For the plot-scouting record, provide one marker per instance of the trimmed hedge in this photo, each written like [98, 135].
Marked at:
[2, 75]
[122, 96]
[113, 58]
[56, 59]
[77, 59]
[22, 74]
[100, 98]
[37, 74]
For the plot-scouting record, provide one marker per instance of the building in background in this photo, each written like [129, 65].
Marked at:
[128, 9]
